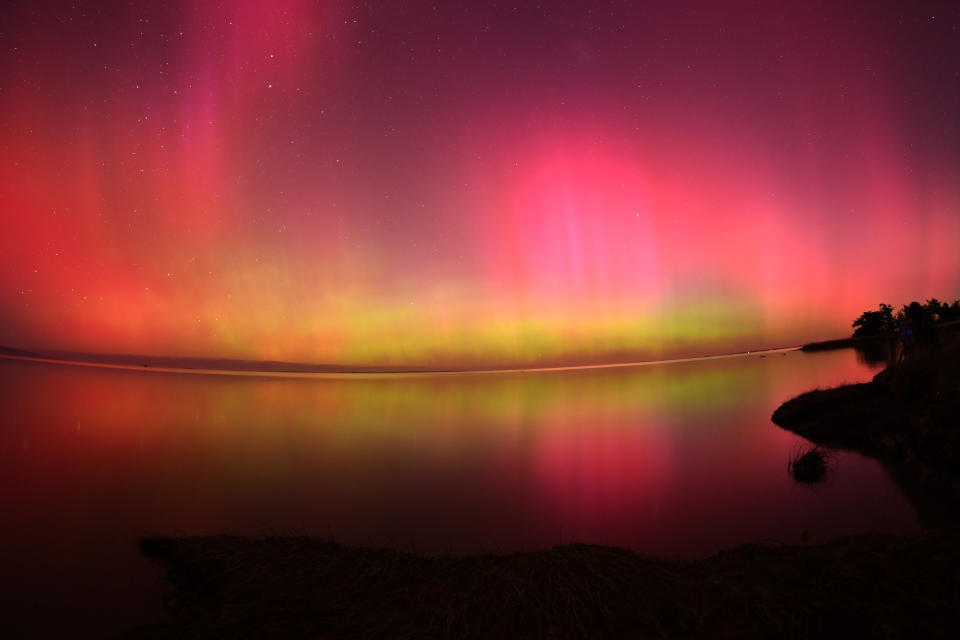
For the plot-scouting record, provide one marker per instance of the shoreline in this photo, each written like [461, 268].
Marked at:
[843, 343]
[907, 416]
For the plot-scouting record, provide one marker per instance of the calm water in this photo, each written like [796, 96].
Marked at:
[674, 459]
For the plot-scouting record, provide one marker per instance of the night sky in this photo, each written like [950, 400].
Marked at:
[458, 183]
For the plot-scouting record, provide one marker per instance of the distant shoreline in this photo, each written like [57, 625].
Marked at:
[227, 366]
[842, 343]
[292, 370]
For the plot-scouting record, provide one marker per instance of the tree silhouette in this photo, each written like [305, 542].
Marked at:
[872, 323]
[923, 317]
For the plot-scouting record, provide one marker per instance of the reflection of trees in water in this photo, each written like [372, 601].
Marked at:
[877, 352]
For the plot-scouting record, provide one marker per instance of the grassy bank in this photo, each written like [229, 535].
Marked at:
[875, 585]
[908, 416]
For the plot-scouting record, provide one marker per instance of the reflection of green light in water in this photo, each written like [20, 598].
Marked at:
[698, 388]
[404, 406]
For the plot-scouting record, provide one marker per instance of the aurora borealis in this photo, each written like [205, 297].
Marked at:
[471, 183]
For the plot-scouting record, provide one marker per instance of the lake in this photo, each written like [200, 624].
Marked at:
[678, 459]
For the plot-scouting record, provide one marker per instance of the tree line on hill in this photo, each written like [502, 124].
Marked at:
[885, 321]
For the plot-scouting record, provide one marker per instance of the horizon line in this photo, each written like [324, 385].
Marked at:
[382, 373]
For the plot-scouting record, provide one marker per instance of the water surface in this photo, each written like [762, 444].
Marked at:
[675, 459]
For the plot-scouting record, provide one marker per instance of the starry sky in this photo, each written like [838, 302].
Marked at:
[471, 183]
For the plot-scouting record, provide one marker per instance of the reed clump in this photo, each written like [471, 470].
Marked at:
[809, 467]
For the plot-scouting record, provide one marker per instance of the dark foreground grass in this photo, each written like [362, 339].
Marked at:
[866, 586]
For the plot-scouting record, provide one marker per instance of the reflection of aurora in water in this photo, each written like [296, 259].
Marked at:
[629, 431]
[677, 459]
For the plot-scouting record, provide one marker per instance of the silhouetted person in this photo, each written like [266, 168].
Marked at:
[917, 317]
[924, 325]
[907, 338]
[934, 331]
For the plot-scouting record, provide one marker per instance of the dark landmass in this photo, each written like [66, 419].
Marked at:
[921, 322]
[865, 586]
[856, 341]
[908, 416]
[843, 343]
